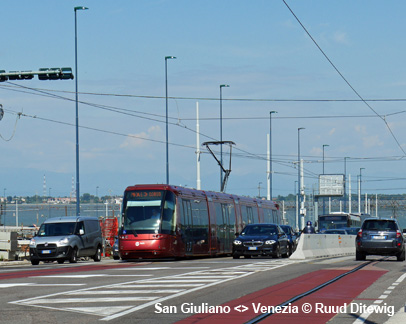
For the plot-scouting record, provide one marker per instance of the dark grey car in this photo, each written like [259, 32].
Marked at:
[380, 237]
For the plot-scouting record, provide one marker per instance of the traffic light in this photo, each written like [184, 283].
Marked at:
[64, 73]
[23, 75]
[3, 77]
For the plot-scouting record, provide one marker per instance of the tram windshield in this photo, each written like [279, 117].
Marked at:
[148, 212]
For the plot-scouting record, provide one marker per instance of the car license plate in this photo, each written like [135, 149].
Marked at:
[252, 248]
[379, 237]
[46, 251]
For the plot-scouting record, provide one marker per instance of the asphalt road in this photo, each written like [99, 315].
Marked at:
[209, 290]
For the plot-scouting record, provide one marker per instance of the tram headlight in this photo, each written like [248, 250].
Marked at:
[269, 242]
[237, 242]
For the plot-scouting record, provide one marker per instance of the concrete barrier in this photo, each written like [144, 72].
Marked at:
[324, 245]
[8, 245]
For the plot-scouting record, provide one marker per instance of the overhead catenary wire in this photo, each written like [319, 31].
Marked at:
[216, 99]
[129, 112]
[345, 80]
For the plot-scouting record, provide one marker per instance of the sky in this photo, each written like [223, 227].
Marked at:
[257, 47]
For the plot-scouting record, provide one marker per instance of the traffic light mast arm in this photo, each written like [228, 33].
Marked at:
[43, 74]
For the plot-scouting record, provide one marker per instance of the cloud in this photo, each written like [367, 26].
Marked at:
[372, 141]
[141, 139]
[361, 129]
[340, 37]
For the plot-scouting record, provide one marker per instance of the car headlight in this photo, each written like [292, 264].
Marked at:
[237, 242]
[270, 242]
[32, 242]
[63, 241]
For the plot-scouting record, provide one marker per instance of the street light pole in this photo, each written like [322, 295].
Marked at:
[345, 182]
[298, 176]
[324, 145]
[221, 131]
[77, 113]
[49, 203]
[167, 126]
[324, 200]
[97, 201]
[270, 152]
[360, 191]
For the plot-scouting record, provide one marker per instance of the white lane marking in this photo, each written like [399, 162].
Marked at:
[8, 285]
[364, 316]
[401, 278]
[189, 268]
[155, 285]
[134, 309]
[37, 285]
[91, 276]
[90, 300]
[188, 280]
[387, 292]
[208, 277]
[137, 268]
[159, 283]
[130, 292]
[104, 311]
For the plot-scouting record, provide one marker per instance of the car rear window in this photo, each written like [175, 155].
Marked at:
[379, 225]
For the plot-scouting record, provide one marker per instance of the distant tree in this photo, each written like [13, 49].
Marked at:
[86, 197]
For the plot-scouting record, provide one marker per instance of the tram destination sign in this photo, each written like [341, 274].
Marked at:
[331, 185]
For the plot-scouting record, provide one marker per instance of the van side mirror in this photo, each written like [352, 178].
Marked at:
[237, 234]
[81, 231]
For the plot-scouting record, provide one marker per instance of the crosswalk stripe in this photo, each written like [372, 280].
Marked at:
[88, 300]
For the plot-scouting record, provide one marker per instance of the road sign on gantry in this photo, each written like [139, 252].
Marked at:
[331, 185]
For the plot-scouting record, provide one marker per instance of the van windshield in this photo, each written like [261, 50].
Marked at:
[56, 229]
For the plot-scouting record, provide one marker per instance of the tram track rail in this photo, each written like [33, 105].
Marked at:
[263, 316]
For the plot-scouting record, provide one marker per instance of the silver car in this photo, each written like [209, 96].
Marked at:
[67, 238]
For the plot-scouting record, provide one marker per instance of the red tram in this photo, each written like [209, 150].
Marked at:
[161, 221]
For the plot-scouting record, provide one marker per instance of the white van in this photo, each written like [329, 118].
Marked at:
[67, 238]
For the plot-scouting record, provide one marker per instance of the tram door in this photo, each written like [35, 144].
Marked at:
[187, 227]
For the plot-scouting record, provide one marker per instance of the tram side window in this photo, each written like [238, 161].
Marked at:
[245, 216]
[200, 222]
[169, 214]
[250, 215]
[268, 215]
[229, 214]
[219, 215]
[275, 216]
[255, 217]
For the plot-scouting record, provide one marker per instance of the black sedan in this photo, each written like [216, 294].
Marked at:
[261, 239]
[293, 237]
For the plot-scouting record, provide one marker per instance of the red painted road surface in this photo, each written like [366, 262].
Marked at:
[337, 294]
